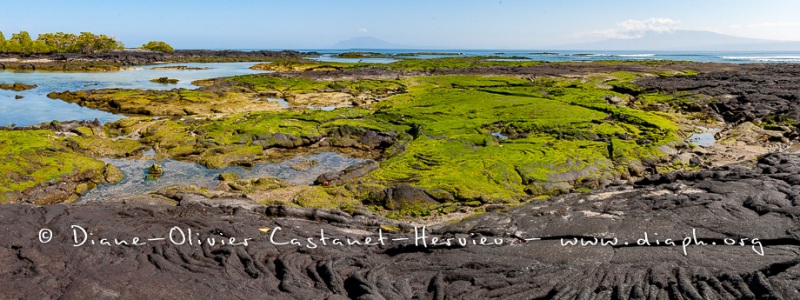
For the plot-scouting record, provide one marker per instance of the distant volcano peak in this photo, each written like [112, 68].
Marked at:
[687, 40]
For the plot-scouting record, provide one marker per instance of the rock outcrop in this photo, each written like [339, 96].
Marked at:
[753, 92]
[753, 209]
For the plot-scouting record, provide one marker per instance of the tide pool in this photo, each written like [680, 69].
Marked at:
[180, 173]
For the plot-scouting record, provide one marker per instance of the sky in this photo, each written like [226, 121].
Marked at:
[444, 24]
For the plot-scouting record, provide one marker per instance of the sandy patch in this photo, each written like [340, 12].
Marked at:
[41, 60]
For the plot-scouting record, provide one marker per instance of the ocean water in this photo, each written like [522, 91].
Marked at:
[574, 55]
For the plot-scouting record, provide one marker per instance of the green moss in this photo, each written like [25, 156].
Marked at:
[299, 85]
[240, 139]
[559, 131]
[112, 174]
[82, 188]
[452, 63]
[176, 102]
[473, 203]
[17, 86]
[298, 65]
[32, 157]
[84, 131]
[228, 177]
[104, 147]
[473, 139]
[404, 63]
[164, 80]
[231, 156]
[318, 197]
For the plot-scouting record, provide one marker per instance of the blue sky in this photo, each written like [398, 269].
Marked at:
[463, 24]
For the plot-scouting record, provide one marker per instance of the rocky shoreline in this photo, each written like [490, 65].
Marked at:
[502, 230]
[756, 204]
[112, 61]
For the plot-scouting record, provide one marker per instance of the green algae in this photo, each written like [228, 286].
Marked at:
[33, 157]
[463, 138]
[17, 87]
[177, 102]
[297, 65]
[299, 85]
[562, 134]
[96, 146]
[234, 95]
[244, 139]
[413, 64]
[164, 80]
[403, 64]
[329, 198]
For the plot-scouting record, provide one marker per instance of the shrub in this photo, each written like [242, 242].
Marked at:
[157, 46]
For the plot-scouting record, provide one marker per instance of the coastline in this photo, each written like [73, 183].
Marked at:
[115, 60]
[622, 170]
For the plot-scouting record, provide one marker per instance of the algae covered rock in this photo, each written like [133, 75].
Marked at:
[321, 197]
[180, 68]
[17, 87]
[349, 174]
[228, 177]
[231, 182]
[112, 174]
[164, 80]
[39, 167]
[407, 198]
[155, 171]
[303, 164]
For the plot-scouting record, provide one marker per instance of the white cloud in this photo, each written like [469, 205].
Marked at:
[631, 29]
[362, 30]
[652, 24]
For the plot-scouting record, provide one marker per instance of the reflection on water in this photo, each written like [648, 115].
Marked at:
[282, 102]
[186, 173]
[324, 108]
[703, 139]
[499, 135]
[36, 108]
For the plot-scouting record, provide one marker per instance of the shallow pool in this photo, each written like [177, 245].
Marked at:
[179, 173]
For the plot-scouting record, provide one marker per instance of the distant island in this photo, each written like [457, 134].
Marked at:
[678, 40]
[685, 40]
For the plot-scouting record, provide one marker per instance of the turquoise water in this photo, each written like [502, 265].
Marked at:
[36, 108]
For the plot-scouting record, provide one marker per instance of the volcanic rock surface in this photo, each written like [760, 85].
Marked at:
[758, 201]
[751, 92]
